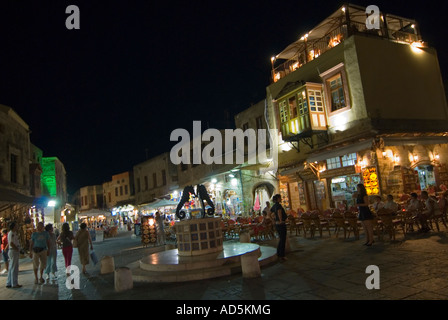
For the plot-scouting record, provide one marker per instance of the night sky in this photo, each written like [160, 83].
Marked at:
[105, 97]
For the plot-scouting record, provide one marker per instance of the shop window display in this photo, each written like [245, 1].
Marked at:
[342, 189]
[426, 177]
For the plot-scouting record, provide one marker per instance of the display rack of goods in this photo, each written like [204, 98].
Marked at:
[371, 182]
[148, 232]
[410, 180]
[28, 231]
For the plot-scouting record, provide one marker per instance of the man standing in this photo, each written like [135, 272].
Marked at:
[13, 253]
[280, 224]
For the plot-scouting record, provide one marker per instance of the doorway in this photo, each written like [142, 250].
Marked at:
[426, 176]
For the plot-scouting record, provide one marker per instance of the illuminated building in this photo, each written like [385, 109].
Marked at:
[54, 186]
[119, 191]
[358, 106]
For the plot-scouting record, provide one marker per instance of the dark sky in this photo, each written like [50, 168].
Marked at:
[102, 97]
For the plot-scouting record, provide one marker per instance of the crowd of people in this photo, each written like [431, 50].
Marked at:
[43, 251]
[421, 207]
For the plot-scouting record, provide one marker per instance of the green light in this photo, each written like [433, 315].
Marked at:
[48, 176]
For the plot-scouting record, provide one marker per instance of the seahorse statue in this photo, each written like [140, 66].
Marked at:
[181, 214]
[202, 194]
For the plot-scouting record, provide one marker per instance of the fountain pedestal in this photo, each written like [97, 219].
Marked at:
[199, 236]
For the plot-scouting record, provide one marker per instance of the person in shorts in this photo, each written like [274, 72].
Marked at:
[39, 244]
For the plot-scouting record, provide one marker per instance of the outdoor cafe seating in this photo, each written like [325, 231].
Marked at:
[334, 222]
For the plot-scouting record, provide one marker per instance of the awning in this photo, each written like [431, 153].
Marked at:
[159, 204]
[402, 141]
[8, 196]
[290, 171]
[341, 151]
[95, 213]
[255, 167]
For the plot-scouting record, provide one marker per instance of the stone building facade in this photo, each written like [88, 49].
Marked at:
[357, 106]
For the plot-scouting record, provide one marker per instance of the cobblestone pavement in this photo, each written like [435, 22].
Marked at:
[328, 268]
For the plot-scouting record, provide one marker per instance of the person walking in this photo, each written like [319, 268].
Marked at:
[39, 244]
[365, 215]
[83, 240]
[160, 228]
[52, 255]
[5, 249]
[280, 225]
[65, 238]
[13, 254]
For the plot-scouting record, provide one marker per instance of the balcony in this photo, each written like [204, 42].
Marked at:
[302, 114]
[346, 21]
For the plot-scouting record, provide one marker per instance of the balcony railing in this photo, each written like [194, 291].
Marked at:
[310, 50]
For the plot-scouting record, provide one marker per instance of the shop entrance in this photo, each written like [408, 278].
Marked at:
[426, 176]
[342, 189]
[319, 192]
[264, 193]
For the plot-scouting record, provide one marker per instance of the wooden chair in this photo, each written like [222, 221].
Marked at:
[320, 224]
[268, 231]
[408, 221]
[352, 222]
[233, 229]
[308, 225]
[389, 222]
[387, 225]
[436, 219]
[224, 228]
[294, 225]
[340, 223]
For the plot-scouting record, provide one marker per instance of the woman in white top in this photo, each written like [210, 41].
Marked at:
[378, 204]
[391, 205]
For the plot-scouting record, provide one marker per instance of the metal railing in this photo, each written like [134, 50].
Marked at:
[310, 50]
